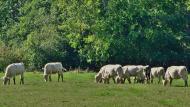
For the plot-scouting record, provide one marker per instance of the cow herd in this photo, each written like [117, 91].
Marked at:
[141, 74]
[15, 69]
[116, 72]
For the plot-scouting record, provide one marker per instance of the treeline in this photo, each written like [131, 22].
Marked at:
[90, 33]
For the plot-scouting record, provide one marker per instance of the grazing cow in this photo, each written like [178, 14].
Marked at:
[176, 72]
[126, 74]
[110, 71]
[12, 71]
[98, 76]
[136, 71]
[51, 68]
[157, 72]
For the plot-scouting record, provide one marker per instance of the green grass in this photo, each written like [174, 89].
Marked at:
[79, 90]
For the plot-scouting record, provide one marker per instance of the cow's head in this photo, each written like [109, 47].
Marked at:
[147, 70]
[164, 82]
[118, 80]
[98, 78]
[5, 80]
[46, 78]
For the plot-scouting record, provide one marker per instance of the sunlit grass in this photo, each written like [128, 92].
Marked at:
[79, 90]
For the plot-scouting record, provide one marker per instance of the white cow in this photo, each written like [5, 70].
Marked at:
[176, 72]
[126, 74]
[52, 68]
[98, 76]
[157, 72]
[12, 71]
[111, 71]
[137, 71]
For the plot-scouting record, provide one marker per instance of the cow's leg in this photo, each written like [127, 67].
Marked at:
[108, 80]
[147, 78]
[5, 82]
[129, 80]
[58, 77]
[124, 80]
[14, 80]
[151, 80]
[165, 82]
[186, 84]
[9, 81]
[100, 81]
[21, 79]
[103, 80]
[113, 80]
[159, 79]
[45, 78]
[170, 80]
[61, 77]
[50, 78]
[135, 79]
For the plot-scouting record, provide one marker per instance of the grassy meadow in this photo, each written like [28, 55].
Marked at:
[79, 90]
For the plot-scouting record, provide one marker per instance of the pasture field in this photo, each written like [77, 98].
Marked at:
[79, 90]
